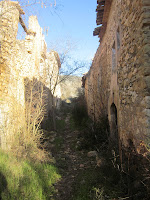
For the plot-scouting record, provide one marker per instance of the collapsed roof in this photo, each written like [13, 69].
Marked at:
[103, 9]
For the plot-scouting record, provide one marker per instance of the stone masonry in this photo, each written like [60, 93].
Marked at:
[25, 67]
[118, 83]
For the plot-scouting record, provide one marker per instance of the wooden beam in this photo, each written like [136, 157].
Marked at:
[99, 1]
[100, 13]
[103, 9]
[23, 24]
[102, 3]
[100, 8]
[97, 31]
[99, 21]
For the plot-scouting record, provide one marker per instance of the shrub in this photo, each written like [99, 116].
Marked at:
[95, 136]
[23, 135]
[79, 111]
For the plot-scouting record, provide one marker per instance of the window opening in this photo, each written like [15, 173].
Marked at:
[118, 38]
[113, 56]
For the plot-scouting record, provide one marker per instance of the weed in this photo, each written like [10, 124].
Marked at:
[104, 182]
[99, 193]
[79, 111]
[95, 135]
[98, 183]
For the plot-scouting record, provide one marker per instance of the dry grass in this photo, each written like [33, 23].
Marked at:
[22, 134]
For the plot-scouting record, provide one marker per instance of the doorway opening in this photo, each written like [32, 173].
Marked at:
[114, 125]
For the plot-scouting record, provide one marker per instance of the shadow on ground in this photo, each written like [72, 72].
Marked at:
[3, 184]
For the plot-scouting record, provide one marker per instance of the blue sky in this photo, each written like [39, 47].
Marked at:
[71, 21]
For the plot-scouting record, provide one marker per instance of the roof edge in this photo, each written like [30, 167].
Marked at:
[103, 10]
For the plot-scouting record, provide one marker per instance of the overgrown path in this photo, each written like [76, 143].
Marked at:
[84, 174]
[89, 168]
[70, 161]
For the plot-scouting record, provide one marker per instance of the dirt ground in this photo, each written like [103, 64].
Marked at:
[69, 160]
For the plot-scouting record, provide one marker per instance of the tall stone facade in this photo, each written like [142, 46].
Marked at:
[118, 83]
[28, 73]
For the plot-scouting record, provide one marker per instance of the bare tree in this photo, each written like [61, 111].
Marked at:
[43, 3]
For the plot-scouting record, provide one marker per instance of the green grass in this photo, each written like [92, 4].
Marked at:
[24, 180]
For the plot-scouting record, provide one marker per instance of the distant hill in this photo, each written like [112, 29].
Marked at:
[70, 87]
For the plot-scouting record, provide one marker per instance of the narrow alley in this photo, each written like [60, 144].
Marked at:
[74, 109]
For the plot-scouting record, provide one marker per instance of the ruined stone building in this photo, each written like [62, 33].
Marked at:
[28, 73]
[118, 82]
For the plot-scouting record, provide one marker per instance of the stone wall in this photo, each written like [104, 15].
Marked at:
[118, 83]
[28, 73]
